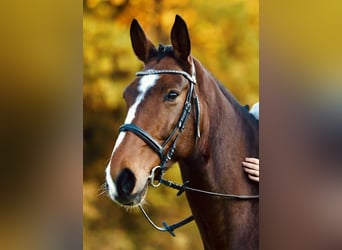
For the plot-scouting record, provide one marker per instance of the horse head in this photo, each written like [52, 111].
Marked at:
[159, 105]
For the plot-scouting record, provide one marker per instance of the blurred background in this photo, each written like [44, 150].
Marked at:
[224, 37]
[41, 121]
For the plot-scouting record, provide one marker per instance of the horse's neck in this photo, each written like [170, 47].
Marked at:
[228, 132]
[227, 137]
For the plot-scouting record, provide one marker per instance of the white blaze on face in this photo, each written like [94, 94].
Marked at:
[145, 83]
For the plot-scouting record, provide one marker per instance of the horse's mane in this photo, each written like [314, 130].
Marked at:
[243, 110]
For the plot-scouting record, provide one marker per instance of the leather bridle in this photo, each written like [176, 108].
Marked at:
[191, 97]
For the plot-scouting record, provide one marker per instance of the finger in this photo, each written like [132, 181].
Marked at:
[252, 172]
[252, 160]
[254, 178]
[250, 165]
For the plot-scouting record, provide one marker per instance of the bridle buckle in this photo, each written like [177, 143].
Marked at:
[154, 182]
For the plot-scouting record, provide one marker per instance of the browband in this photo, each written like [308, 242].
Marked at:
[192, 79]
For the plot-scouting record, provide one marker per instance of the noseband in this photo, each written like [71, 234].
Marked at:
[191, 96]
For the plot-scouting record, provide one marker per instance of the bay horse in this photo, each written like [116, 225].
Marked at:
[178, 112]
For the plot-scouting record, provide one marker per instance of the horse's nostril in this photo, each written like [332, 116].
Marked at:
[125, 182]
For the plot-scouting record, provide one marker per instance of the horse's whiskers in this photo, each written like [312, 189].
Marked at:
[133, 208]
[101, 193]
[103, 189]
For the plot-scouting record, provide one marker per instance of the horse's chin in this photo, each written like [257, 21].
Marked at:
[134, 200]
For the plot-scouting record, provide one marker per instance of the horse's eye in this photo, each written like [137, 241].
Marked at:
[172, 95]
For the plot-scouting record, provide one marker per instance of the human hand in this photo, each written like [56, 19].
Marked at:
[251, 166]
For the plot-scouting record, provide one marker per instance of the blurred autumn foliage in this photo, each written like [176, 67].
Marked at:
[224, 37]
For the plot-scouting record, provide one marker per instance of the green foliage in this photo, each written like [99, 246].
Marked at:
[224, 37]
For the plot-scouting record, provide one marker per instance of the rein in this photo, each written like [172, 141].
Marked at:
[181, 189]
[165, 157]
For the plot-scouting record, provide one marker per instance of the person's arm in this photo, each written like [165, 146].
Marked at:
[251, 167]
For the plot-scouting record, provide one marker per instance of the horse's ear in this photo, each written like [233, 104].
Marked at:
[180, 40]
[142, 46]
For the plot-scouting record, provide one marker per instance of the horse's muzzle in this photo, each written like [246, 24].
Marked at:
[125, 183]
